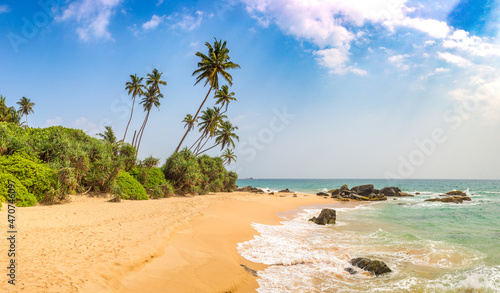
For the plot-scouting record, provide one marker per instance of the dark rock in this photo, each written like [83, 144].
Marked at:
[417, 193]
[450, 199]
[249, 270]
[343, 188]
[351, 271]
[363, 189]
[375, 267]
[285, 190]
[245, 189]
[376, 191]
[272, 193]
[377, 196]
[282, 195]
[327, 216]
[334, 191]
[390, 191]
[322, 194]
[359, 197]
[405, 194]
[294, 195]
[456, 192]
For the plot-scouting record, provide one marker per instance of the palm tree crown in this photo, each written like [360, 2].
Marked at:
[25, 107]
[228, 156]
[226, 136]
[224, 97]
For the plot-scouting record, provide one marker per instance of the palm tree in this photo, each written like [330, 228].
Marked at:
[225, 136]
[228, 156]
[149, 163]
[211, 119]
[151, 98]
[154, 81]
[134, 87]
[189, 121]
[25, 108]
[215, 63]
[224, 97]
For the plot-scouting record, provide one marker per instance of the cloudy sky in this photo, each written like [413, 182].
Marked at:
[326, 89]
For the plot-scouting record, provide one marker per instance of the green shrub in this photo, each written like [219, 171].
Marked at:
[155, 176]
[23, 197]
[161, 191]
[202, 175]
[129, 188]
[37, 177]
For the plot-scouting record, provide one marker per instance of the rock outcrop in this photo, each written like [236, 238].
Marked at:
[363, 189]
[322, 194]
[456, 192]
[285, 190]
[375, 267]
[451, 199]
[327, 216]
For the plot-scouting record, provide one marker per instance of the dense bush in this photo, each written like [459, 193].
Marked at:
[81, 162]
[23, 197]
[37, 177]
[154, 178]
[201, 175]
[129, 188]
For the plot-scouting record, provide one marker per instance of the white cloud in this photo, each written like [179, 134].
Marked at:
[454, 59]
[92, 16]
[471, 44]
[335, 60]
[53, 122]
[429, 43]
[88, 127]
[4, 8]
[441, 69]
[186, 21]
[153, 22]
[434, 28]
[399, 61]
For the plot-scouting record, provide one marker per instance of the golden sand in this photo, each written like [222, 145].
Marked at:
[180, 244]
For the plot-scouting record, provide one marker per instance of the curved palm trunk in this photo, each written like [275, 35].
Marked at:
[131, 113]
[145, 121]
[196, 115]
[207, 149]
[139, 132]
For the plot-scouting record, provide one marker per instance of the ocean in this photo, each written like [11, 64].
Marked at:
[430, 246]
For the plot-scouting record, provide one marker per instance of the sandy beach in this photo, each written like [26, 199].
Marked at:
[180, 244]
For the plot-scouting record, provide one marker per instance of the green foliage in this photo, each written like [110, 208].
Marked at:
[23, 197]
[155, 178]
[162, 191]
[204, 174]
[129, 188]
[81, 162]
[36, 176]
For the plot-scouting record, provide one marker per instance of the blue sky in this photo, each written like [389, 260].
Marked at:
[326, 89]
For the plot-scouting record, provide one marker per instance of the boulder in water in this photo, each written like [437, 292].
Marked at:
[375, 267]
[451, 199]
[366, 189]
[456, 192]
[390, 191]
[327, 216]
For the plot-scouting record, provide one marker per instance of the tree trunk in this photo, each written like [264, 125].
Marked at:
[207, 149]
[131, 113]
[196, 115]
[145, 121]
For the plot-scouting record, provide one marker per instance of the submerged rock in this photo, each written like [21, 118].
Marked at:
[456, 192]
[375, 267]
[327, 216]
[451, 199]
[351, 271]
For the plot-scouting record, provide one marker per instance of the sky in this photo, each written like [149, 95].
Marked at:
[327, 88]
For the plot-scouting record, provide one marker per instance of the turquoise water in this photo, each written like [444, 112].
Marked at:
[431, 246]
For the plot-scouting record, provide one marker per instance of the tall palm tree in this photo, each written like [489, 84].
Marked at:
[215, 63]
[211, 119]
[225, 136]
[224, 97]
[25, 108]
[228, 156]
[151, 98]
[154, 81]
[134, 87]
[189, 121]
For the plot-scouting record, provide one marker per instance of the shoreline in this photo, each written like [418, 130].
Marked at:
[179, 244]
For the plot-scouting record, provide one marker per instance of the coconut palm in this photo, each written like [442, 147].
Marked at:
[154, 81]
[151, 98]
[189, 121]
[211, 119]
[25, 108]
[225, 136]
[134, 87]
[228, 156]
[215, 63]
[224, 97]
[108, 135]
